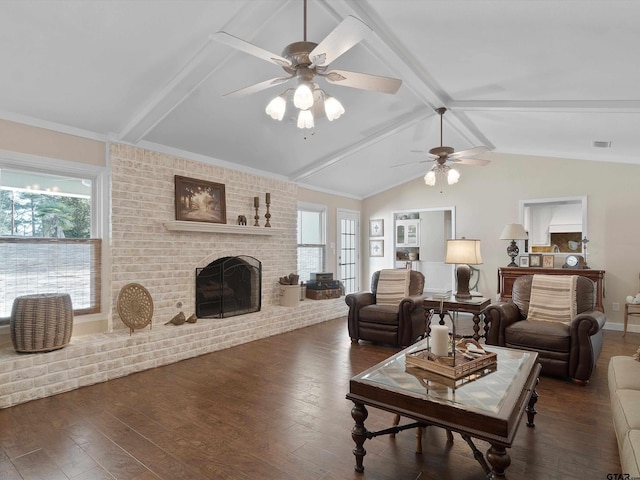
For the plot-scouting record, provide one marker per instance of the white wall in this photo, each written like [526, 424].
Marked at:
[487, 198]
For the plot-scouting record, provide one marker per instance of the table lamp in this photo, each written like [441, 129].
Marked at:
[513, 232]
[463, 252]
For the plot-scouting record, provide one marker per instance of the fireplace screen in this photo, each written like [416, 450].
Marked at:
[229, 286]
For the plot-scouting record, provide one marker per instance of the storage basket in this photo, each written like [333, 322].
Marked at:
[41, 322]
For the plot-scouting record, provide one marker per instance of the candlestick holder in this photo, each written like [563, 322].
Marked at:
[257, 217]
[267, 216]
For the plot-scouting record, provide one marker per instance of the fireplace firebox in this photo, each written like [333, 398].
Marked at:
[229, 286]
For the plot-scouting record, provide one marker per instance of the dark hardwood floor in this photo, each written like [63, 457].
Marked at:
[275, 409]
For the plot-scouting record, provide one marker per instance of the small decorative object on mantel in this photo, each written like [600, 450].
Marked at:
[268, 215]
[179, 319]
[256, 205]
[242, 220]
[192, 318]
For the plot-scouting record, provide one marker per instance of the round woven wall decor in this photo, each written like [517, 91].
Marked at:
[135, 306]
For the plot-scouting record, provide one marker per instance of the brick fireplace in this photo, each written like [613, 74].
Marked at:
[229, 286]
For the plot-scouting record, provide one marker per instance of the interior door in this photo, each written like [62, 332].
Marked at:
[349, 250]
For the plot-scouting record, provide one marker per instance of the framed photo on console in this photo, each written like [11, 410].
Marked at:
[524, 260]
[535, 260]
[548, 261]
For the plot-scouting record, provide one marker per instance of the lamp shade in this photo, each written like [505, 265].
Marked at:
[303, 96]
[463, 251]
[305, 119]
[333, 108]
[453, 176]
[513, 231]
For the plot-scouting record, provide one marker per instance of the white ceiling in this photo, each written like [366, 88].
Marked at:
[530, 77]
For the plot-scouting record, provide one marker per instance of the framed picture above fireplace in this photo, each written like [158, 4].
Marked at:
[200, 201]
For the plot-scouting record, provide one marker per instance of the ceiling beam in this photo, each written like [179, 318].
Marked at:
[560, 106]
[245, 23]
[402, 123]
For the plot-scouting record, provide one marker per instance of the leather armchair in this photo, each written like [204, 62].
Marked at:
[398, 325]
[565, 350]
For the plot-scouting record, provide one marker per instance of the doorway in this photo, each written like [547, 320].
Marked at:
[349, 250]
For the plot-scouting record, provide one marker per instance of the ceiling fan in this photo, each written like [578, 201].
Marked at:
[307, 60]
[443, 155]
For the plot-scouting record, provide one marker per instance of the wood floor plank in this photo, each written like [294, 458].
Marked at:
[275, 409]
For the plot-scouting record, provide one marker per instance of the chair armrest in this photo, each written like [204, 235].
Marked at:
[409, 304]
[586, 344]
[588, 323]
[356, 301]
[499, 316]
[359, 299]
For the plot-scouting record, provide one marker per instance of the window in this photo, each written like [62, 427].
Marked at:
[49, 227]
[311, 239]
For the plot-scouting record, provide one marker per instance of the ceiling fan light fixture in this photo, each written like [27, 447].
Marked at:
[277, 107]
[303, 96]
[333, 108]
[430, 178]
[441, 174]
[305, 119]
[453, 176]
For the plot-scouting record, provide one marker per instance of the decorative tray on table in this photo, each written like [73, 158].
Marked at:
[468, 358]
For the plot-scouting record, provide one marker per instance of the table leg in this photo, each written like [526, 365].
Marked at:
[499, 460]
[531, 410]
[476, 327]
[359, 433]
[626, 319]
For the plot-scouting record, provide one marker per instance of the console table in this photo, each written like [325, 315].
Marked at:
[508, 275]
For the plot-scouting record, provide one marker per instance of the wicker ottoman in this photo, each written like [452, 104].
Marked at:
[42, 322]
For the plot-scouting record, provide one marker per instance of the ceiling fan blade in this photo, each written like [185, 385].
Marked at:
[480, 162]
[243, 92]
[347, 34]
[472, 152]
[250, 48]
[365, 81]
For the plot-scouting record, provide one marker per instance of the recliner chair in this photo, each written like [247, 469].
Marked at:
[399, 325]
[567, 350]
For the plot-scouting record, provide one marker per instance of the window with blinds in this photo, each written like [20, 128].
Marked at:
[46, 221]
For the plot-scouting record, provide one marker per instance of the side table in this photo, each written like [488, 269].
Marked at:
[630, 309]
[475, 306]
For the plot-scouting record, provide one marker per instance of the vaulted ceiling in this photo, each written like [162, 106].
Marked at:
[534, 77]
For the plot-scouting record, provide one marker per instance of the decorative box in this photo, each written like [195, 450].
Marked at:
[323, 294]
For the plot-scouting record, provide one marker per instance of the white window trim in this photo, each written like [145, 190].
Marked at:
[99, 208]
[316, 207]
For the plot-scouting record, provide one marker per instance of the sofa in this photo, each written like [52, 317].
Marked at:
[624, 391]
[567, 349]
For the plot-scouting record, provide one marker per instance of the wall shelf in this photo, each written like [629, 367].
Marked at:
[182, 226]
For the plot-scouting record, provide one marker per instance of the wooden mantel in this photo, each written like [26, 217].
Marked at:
[183, 226]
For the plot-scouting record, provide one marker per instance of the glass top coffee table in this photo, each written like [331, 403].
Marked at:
[486, 405]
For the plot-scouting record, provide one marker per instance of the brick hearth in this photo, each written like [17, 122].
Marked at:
[91, 359]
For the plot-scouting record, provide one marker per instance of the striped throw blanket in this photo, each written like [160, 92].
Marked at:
[393, 286]
[553, 298]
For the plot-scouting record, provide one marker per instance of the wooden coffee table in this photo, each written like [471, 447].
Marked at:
[487, 405]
